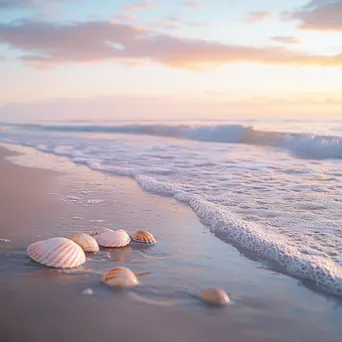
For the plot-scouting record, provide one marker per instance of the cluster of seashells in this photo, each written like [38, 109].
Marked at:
[60, 252]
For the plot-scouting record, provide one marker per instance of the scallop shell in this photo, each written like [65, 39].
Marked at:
[120, 277]
[100, 230]
[143, 237]
[215, 296]
[57, 252]
[114, 238]
[86, 242]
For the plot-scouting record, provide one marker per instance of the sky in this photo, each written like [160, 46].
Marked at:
[162, 59]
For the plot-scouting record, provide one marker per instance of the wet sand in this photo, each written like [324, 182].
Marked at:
[38, 308]
[40, 304]
[25, 205]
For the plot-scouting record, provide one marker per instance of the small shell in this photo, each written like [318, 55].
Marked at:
[88, 292]
[114, 238]
[100, 230]
[215, 296]
[143, 237]
[120, 277]
[86, 242]
[57, 252]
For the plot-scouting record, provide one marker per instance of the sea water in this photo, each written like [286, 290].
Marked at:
[272, 189]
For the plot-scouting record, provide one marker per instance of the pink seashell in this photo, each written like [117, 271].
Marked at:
[100, 230]
[120, 277]
[86, 242]
[114, 238]
[57, 252]
[143, 237]
[215, 296]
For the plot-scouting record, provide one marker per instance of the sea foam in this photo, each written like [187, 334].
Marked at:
[324, 273]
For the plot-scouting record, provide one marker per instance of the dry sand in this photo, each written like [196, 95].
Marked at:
[43, 306]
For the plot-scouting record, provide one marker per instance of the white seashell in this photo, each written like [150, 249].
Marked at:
[86, 242]
[215, 296]
[98, 231]
[114, 238]
[143, 237]
[88, 292]
[120, 277]
[57, 252]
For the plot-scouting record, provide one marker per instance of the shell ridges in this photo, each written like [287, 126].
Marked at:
[120, 276]
[114, 238]
[86, 242]
[99, 230]
[143, 237]
[57, 252]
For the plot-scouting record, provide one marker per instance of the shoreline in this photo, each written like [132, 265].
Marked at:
[287, 262]
[30, 291]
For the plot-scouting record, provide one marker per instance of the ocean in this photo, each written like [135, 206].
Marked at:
[273, 189]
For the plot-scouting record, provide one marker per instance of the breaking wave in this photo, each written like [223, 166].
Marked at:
[303, 145]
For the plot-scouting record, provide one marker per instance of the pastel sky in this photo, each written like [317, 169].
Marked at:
[163, 59]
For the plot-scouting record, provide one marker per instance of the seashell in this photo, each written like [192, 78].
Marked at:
[86, 242]
[215, 296]
[114, 238]
[88, 292]
[100, 230]
[57, 252]
[143, 237]
[120, 277]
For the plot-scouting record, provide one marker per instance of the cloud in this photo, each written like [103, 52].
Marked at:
[177, 23]
[325, 15]
[257, 17]
[15, 3]
[45, 44]
[139, 6]
[314, 3]
[286, 39]
[124, 17]
[12, 4]
[192, 4]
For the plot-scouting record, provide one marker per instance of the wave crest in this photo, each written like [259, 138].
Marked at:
[303, 145]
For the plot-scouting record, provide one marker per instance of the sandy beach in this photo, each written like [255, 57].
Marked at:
[41, 304]
[204, 137]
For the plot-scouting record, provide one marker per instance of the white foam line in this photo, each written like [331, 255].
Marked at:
[322, 271]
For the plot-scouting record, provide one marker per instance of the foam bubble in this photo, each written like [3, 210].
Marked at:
[95, 201]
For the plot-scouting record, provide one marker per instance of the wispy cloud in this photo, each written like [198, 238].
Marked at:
[258, 16]
[286, 39]
[139, 6]
[192, 4]
[11, 4]
[323, 15]
[46, 44]
[15, 3]
[176, 22]
[124, 17]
